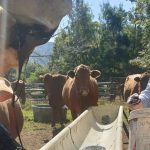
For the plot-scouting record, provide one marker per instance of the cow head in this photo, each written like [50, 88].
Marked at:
[142, 80]
[48, 83]
[82, 76]
[27, 23]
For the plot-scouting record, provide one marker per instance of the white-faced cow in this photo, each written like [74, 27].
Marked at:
[81, 89]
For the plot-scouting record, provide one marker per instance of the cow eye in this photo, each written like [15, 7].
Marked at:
[77, 76]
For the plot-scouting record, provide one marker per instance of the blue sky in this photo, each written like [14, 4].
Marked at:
[95, 7]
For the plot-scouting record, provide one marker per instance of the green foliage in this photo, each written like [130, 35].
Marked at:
[30, 73]
[142, 20]
[107, 45]
[117, 44]
[33, 71]
[75, 45]
[115, 17]
[28, 115]
[11, 75]
[143, 60]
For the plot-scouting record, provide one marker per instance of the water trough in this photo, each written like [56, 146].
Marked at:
[42, 113]
[98, 128]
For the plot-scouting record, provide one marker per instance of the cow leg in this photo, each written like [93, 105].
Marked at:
[61, 117]
[74, 114]
[54, 114]
[64, 112]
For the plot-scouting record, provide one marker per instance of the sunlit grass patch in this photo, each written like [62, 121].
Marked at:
[69, 117]
[28, 115]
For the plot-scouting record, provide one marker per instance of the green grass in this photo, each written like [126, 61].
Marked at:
[69, 117]
[29, 123]
[29, 119]
[28, 115]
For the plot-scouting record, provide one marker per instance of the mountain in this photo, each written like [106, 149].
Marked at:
[42, 53]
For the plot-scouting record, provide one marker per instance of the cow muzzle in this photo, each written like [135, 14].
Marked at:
[84, 92]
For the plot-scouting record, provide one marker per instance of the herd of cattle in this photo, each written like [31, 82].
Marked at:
[77, 91]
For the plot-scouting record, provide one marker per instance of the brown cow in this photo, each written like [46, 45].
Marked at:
[81, 89]
[19, 89]
[10, 117]
[53, 85]
[21, 30]
[135, 84]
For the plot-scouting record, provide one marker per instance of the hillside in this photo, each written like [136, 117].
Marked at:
[42, 53]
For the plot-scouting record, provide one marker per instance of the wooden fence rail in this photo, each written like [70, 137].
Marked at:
[107, 90]
[35, 91]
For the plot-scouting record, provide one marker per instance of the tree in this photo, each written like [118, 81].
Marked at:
[141, 19]
[107, 45]
[33, 71]
[116, 42]
[76, 44]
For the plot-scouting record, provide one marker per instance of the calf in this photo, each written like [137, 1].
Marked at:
[81, 89]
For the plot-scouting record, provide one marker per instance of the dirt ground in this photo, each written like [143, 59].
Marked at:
[36, 136]
[39, 134]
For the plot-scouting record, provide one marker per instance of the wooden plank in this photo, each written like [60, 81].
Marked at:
[34, 90]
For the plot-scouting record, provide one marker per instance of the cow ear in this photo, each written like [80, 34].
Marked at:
[41, 76]
[127, 78]
[71, 73]
[95, 73]
[145, 73]
[137, 79]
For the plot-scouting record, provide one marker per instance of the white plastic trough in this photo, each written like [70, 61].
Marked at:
[88, 132]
